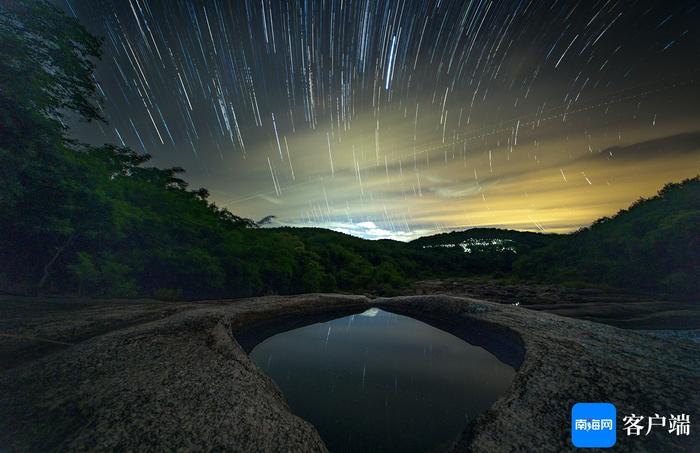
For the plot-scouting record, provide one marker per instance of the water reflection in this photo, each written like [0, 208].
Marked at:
[378, 381]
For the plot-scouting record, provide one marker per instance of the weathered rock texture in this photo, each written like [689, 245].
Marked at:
[146, 375]
[616, 307]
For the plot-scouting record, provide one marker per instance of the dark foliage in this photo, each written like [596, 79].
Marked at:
[653, 246]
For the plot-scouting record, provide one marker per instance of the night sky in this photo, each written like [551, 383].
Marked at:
[405, 118]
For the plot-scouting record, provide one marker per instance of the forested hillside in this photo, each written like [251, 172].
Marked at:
[652, 246]
[97, 220]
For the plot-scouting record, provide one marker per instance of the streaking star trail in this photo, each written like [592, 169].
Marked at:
[396, 119]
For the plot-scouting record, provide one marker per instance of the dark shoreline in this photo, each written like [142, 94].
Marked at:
[615, 307]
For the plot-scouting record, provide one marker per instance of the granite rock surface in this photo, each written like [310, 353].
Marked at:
[146, 375]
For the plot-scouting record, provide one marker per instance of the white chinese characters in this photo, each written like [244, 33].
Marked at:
[679, 424]
[593, 424]
[675, 424]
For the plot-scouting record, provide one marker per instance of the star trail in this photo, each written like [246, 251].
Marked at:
[395, 119]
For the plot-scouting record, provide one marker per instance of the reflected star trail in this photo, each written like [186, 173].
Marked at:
[403, 118]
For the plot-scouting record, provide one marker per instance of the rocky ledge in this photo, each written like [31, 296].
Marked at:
[147, 375]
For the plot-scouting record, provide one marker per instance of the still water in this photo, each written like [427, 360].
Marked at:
[378, 381]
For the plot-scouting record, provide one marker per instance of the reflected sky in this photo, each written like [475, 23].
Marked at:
[378, 381]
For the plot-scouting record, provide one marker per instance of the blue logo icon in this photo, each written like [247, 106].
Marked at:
[593, 425]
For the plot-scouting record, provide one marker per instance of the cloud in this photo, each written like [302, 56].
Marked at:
[272, 200]
[369, 230]
[676, 144]
[370, 313]
[366, 230]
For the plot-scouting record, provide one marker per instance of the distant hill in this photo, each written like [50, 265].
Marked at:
[476, 240]
[480, 233]
[384, 265]
[654, 245]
